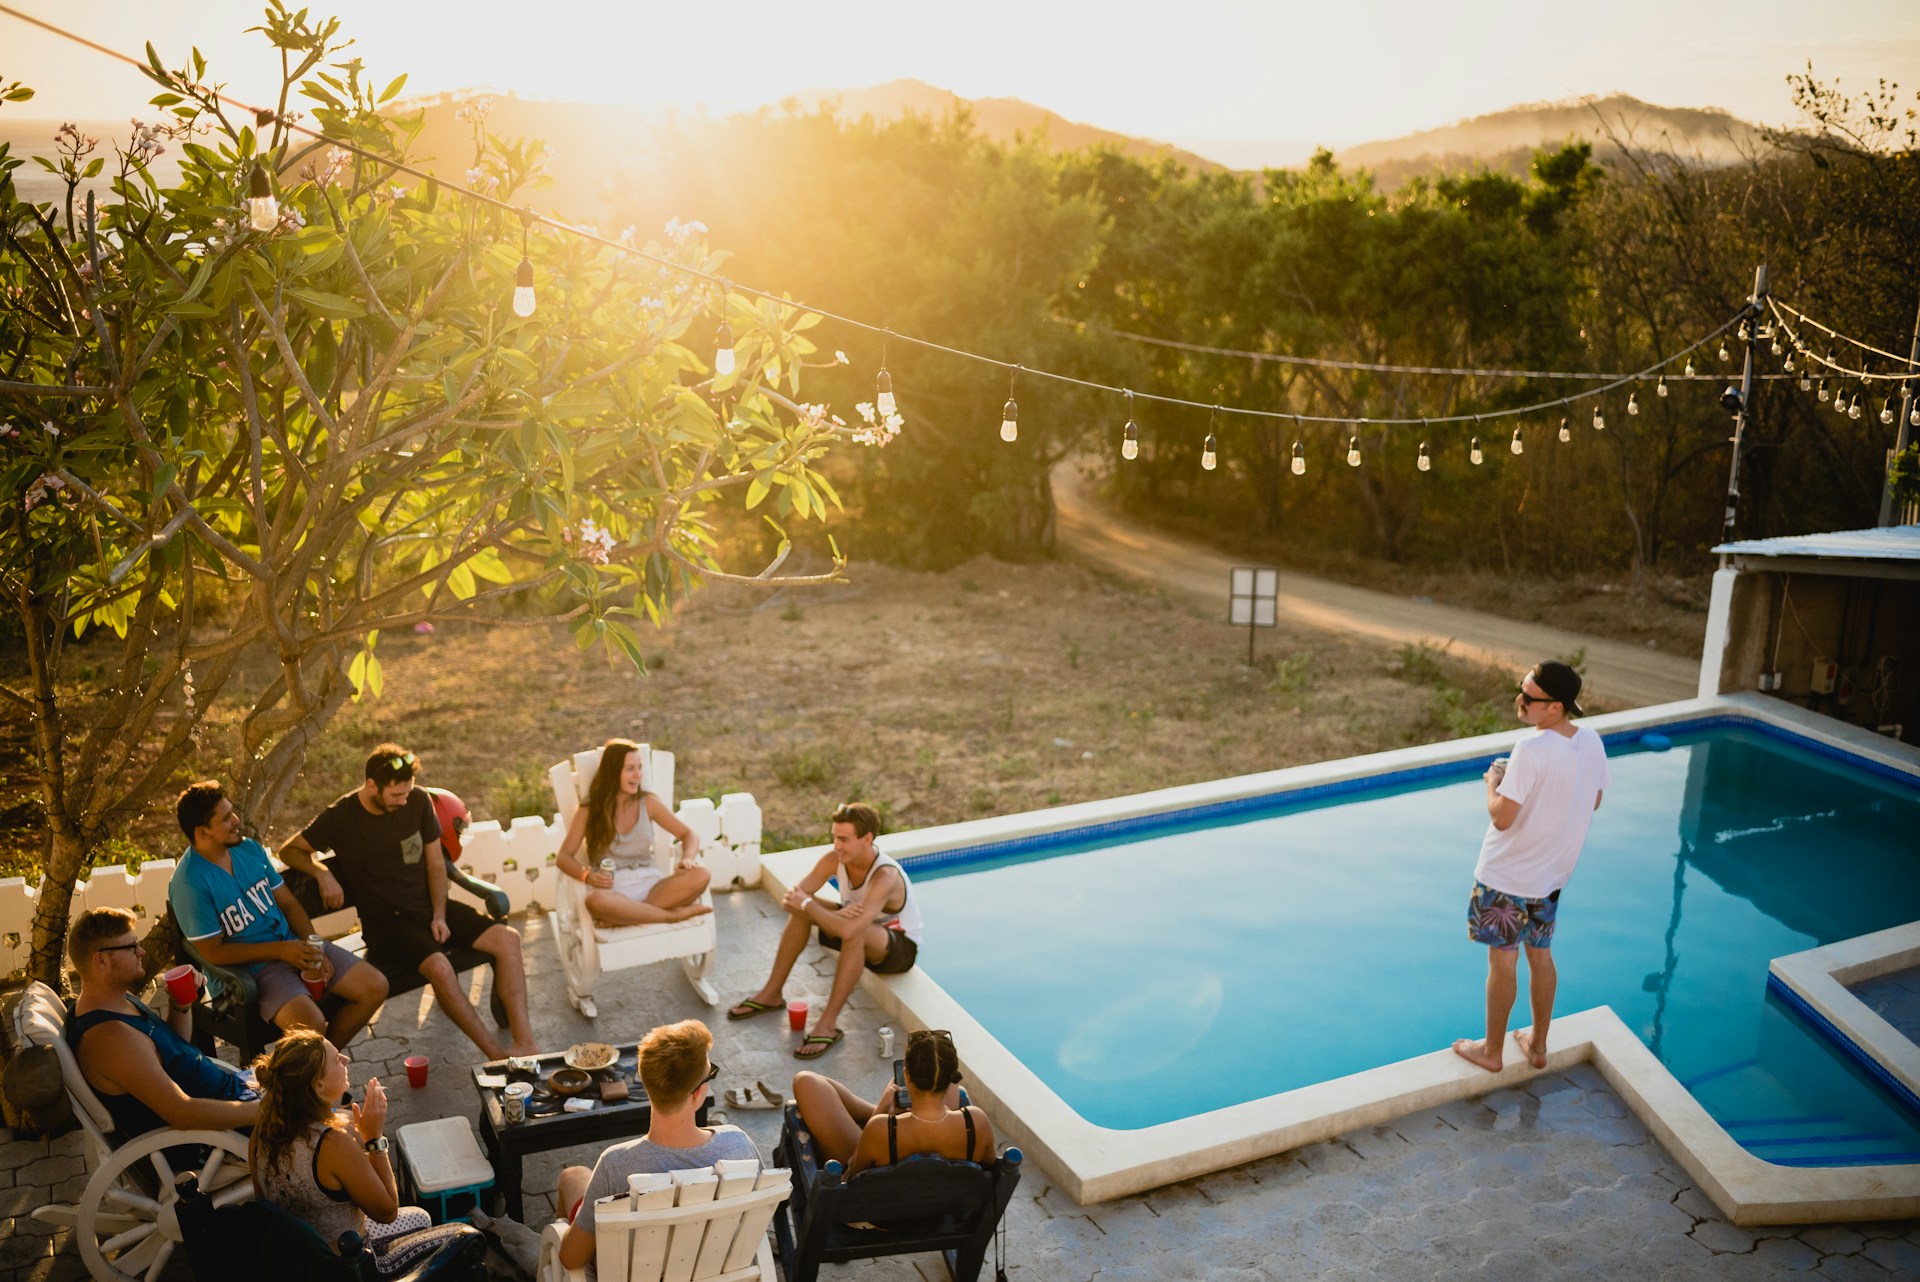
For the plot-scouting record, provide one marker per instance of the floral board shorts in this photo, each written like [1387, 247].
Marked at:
[1500, 920]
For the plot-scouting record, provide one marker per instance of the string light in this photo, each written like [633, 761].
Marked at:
[263, 211]
[1886, 411]
[1913, 414]
[1788, 365]
[883, 400]
[1424, 462]
[1299, 464]
[1659, 389]
[1210, 452]
[1745, 335]
[1725, 355]
[1689, 367]
[1566, 433]
[1010, 412]
[1517, 445]
[1599, 419]
[1633, 406]
[1853, 406]
[1777, 349]
[1353, 451]
[523, 277]
[1806, 381]
[1474, 456]
[1825, 392]
[1130, 436]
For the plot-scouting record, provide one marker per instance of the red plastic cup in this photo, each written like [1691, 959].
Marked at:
[316, 986]
[183, 985]
[416, 1070]
[797, 1015]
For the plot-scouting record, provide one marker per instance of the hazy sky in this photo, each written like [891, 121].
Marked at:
[1245, 81]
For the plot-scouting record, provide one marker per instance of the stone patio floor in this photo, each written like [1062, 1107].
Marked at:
[1554, 1181]
[1895, 998]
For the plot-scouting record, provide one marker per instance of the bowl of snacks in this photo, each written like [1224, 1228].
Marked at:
[569, 1081]
[590, 1056]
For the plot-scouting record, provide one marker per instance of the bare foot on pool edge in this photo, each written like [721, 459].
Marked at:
[1524, 1038]
[1474, 1051]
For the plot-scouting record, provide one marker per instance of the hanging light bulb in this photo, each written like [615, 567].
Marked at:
[1299, 464]
[1886, 411]
[1424, 463]
[1130, 441]
[1517, 445]
[1788, 364]
[1566, 433]
[1840, 401]
[1599, 419]
[1824, 392]
[523, 288]
[1633, 406]
[1353, 451]
[1777, 349]
[1474, 456]
[1853, 406]
[1806, 381]
[523, 276]
[1913, 414]
[883, 392]
[1725, 355]
[1660, 388]
[723, 359]
[1745, 334]
[1010, 412]
[1689, 367]
[1210, 453]
[263, 211]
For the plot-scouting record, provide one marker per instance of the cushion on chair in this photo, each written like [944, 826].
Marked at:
[41, 1018]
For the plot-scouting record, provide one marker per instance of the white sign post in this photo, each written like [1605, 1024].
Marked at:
[1252, 591]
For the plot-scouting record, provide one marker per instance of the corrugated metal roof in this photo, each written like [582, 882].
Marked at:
[1893, 543]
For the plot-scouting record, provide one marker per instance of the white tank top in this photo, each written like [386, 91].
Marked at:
[907, 920]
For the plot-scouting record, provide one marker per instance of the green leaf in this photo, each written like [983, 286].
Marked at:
[332, 306]
[393, 88]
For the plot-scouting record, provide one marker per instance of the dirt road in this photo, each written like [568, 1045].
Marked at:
[1621, 675]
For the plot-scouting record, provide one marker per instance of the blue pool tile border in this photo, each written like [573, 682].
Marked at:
[1136, 825]
[1800, 1006]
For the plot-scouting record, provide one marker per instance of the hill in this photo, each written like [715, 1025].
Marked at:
[1505, 140]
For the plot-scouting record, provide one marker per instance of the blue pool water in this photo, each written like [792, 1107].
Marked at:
[1202, 961]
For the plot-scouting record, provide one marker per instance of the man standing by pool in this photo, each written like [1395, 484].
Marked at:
[1541, 805]
[876, 924]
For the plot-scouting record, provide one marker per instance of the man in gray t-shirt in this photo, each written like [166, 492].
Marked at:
[675, 1068]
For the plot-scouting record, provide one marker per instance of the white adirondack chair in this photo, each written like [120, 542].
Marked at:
[699, 1225]
[587, 949]
[124, 1222]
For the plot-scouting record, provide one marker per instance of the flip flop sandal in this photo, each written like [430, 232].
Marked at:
[756, 1096]
[748, 1008]
[825, 1044]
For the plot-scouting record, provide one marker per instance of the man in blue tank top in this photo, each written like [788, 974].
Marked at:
[140, 1065]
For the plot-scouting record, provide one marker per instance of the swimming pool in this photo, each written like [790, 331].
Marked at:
[1112, 1013]
[1204, 960]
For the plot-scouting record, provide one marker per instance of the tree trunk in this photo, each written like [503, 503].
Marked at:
[55, 901]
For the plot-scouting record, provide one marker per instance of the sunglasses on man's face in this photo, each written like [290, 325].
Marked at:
[134, 947]
[1534, 698]
[713, 1071]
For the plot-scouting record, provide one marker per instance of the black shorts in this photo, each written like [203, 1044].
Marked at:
[398, 942]
[901, 952]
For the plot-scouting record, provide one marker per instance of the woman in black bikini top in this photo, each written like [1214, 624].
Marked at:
[859, 1135]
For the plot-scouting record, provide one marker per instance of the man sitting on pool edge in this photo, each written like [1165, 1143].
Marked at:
[877, 916]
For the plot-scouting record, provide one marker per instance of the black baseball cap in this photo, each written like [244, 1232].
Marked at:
[1561, 683]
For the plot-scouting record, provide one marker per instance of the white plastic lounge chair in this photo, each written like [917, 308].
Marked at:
[700, 1225]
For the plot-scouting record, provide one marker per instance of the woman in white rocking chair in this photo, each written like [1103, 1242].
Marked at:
[615, 826]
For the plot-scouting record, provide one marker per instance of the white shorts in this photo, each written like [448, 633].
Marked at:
[636, 883]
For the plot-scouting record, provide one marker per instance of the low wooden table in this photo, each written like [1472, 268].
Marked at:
[507, 1145]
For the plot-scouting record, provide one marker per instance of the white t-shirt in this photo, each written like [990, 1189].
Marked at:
[1556, 780]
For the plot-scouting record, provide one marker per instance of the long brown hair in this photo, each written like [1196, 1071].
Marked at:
[603, 796]
[290, 1105]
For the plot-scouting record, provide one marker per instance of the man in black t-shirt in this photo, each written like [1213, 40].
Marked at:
[386, 860]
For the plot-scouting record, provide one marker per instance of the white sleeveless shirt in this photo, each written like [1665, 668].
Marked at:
[907, 920]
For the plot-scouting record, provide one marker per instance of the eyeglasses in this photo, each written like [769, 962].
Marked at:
[1534, 698]
[713, 1071]
[941, 1033]
[134, 947]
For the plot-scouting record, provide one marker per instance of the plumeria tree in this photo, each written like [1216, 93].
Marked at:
[234, 430]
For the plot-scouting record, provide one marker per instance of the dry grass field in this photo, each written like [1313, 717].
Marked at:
[989, 689]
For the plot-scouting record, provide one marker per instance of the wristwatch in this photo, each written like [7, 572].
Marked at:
[379, 1144]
